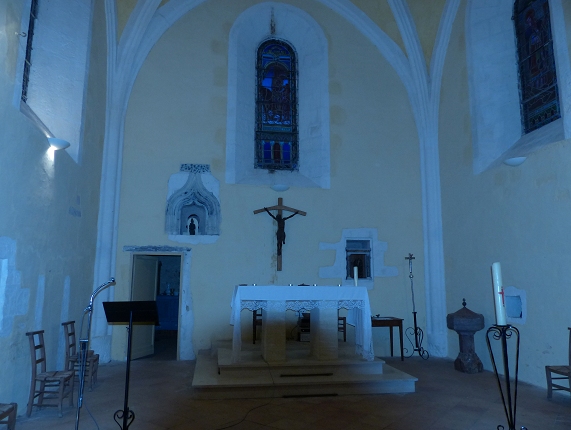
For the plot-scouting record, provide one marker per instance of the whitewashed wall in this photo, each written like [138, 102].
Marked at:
[48, 218]
[518, 216]
[177, 114]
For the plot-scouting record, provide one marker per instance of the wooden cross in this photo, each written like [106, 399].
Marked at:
[280, 233]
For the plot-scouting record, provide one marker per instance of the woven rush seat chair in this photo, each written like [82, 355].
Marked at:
[563, 371]
[72, 356]
[47, 385]
[8, 412]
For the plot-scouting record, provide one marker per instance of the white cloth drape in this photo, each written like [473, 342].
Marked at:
[296, 298]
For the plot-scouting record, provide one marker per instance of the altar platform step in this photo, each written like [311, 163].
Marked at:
[299, 361]
[215, 377]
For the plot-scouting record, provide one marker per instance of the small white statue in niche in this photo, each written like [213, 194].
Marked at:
[192, 225]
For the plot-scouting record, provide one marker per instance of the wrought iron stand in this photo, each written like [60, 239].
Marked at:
[503, 333]
[126, 415]
[418, 337]
[144, 312]
[416, 331]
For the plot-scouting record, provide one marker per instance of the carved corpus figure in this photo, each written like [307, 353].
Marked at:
[280, 219]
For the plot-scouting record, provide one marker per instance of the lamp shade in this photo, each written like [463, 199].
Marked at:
[56, 143]
[279, 187]
[515, 161]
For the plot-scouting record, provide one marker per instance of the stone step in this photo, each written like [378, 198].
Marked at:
[216, 378]
[298, 362]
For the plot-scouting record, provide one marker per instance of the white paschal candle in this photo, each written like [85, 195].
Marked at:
[498, 294]
[356, 275]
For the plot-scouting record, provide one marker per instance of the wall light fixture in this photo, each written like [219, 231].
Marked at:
[56, 143]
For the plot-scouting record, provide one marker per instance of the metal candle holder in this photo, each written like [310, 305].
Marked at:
[503, 333]
[416, 331]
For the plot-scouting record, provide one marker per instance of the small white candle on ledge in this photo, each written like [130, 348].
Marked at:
[498, 294]
[356, 275]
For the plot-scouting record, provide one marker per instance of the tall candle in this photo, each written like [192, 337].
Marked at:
[356, 275]
[498, 294]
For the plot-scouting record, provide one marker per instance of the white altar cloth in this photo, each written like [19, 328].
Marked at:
[296, 298]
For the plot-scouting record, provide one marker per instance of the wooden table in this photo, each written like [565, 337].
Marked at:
[390, 322]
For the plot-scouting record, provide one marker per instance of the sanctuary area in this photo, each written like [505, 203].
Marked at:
[302, 188]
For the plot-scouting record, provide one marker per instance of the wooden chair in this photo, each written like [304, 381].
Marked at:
[72, 356]
[563, 371]
[45, 384]
[8, 412]
[256, 321]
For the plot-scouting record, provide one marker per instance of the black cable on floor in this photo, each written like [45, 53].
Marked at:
[92, 417]
[244, 418]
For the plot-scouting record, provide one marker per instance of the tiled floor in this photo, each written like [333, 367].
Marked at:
[161, 397]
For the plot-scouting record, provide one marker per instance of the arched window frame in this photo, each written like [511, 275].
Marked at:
[250, 29]
[276, 106]
[538, 88]
[493, 84]
[54, 93]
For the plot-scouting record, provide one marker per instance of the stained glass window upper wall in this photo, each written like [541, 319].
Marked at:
[539, 97]
[276, 107]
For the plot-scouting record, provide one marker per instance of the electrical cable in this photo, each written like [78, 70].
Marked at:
[255, 407]
[245, 416]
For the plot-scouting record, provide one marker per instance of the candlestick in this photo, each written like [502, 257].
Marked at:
[498, 294]
[416, 331]
[508, 391]
[356, 275]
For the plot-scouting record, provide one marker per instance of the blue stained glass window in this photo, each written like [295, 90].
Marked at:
[539, 96]
[286, 152]
[276, 107]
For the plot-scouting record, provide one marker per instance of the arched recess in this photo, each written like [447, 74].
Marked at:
[493, 84]
[189, 196]
[299, 29]
[148, 24]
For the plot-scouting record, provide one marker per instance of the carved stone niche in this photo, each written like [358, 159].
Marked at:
[193, 205]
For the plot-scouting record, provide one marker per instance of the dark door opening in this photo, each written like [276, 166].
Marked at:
[166, 292]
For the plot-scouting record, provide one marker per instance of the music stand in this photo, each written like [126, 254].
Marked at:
[129, 312]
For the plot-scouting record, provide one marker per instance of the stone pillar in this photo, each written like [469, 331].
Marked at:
[273, 335]
[324, 343]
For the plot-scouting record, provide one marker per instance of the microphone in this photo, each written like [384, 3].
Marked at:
[97, 290]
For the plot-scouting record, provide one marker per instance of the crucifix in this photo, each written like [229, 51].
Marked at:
[280, 219]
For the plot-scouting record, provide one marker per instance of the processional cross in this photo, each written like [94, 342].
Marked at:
[279, 218]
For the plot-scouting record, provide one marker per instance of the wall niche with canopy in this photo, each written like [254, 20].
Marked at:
[193, 205]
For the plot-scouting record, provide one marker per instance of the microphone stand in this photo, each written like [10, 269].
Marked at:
[83, 348]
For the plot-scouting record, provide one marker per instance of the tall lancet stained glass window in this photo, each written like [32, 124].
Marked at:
[539, 97]
[276, 107]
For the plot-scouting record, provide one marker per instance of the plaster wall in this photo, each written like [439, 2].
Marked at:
[48, 220]
[515, 215]
[177, 114]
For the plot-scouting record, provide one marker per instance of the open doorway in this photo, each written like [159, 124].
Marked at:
[157, 277]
